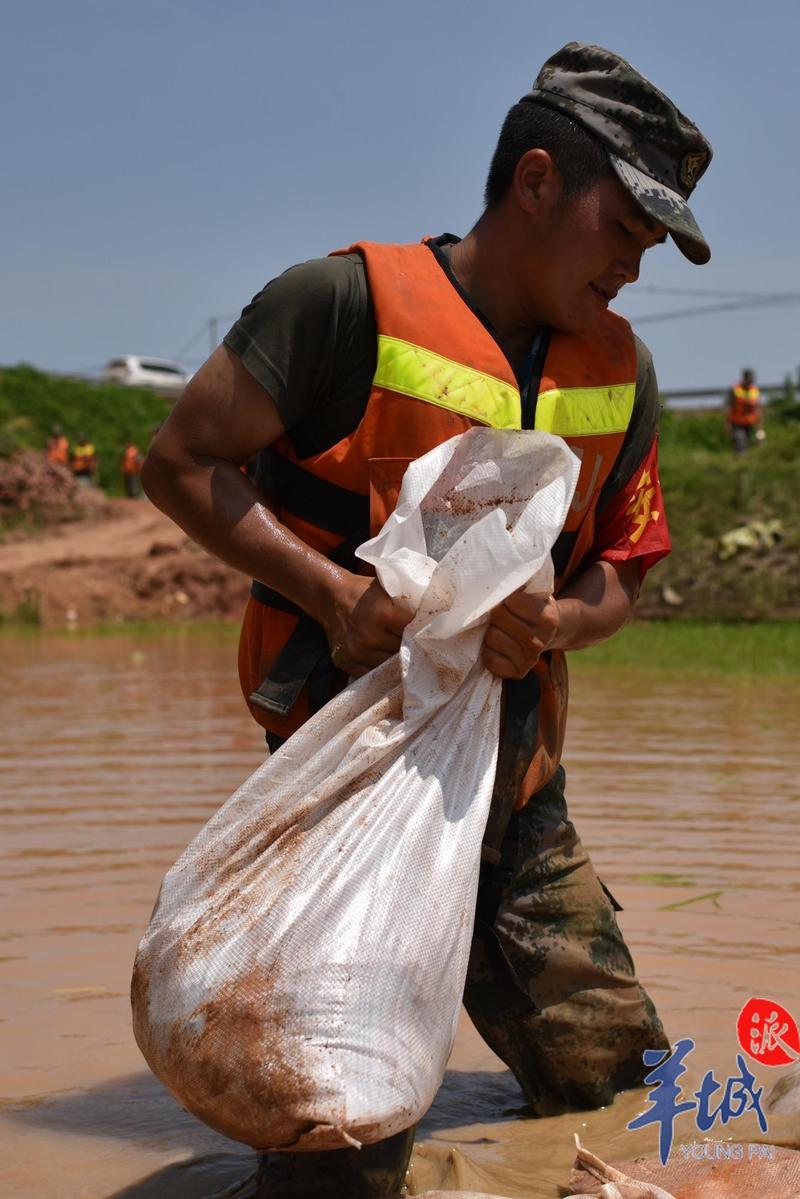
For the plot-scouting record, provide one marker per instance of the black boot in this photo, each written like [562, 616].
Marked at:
[373, 1172]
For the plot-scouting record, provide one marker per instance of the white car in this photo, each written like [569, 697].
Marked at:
[133, 371]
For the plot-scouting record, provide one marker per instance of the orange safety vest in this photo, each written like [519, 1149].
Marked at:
[131, 460]
[439, 372]
[83, 458]
[58, 450]
[745, 406]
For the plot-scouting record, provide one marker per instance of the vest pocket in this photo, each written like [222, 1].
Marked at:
[385, 479]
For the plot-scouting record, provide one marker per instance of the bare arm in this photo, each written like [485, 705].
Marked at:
[594, 606]
[192, 474]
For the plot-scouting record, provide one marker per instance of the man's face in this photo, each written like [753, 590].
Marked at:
[593, 248]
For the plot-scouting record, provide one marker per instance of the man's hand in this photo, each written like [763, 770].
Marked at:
[595, 604]
[520, 630]
[365, 625]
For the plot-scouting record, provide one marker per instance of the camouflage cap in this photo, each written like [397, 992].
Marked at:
[656, 152]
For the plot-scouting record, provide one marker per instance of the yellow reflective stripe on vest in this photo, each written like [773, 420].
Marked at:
[414, 371]
[586, 411]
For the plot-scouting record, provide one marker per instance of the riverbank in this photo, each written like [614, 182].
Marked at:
[698, 647]
[128, 563]
[703, 649]
[79, 557]
[734, 521]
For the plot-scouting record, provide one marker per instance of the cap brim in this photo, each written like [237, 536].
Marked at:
[667, 207]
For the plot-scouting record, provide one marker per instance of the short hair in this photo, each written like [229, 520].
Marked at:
[580, 158]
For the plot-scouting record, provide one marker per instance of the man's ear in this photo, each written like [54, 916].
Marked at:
[537, 185]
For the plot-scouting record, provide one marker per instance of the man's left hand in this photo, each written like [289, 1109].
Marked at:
[520, 630]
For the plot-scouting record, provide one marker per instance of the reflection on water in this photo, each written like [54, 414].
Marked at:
[117, 749]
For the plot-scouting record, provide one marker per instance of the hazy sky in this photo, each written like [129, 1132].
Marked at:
[163, 158]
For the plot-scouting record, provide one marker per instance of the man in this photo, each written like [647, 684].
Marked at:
[57, 446]
[131, 468]
[744, 412]
[83, 462]
[349, 367]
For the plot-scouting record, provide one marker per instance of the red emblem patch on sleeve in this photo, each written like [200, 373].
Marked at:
[633, 524]
[640, 509]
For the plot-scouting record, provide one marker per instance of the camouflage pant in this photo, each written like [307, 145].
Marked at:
[550, 988]
[551, 985]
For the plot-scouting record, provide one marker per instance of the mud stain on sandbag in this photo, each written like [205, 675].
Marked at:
[464, 505]
[229, 1060]
[231, 1064]
[446, 517]
[237, 857]
[234, 1060]
[140, 999]
[246, 1002]
[239, 860]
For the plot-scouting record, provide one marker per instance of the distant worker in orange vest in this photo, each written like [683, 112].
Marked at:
[744, 413]
[57, 446]
[83, 462]
[131, 464]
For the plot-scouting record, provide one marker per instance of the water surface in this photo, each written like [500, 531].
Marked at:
[117, 749]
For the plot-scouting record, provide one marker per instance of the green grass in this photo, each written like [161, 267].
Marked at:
[26, 615]
[31, 402]
[705, 647]
[202, 629]
[708, 491]
[710, 647]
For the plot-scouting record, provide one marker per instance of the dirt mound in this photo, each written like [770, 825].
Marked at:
[186, 582]
[129, 563]
[44, 492]
[177, 584]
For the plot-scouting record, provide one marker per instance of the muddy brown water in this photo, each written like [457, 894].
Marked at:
[117, 749]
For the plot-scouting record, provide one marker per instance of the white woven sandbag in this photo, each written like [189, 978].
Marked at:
[300, 980]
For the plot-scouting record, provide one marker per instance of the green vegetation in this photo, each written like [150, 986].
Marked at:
[786, 407]
[709, 491]
[26, 615]
[712, 647]
[31, 402]
[211, 630]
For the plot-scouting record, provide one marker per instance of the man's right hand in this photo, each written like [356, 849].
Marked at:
[365, 626]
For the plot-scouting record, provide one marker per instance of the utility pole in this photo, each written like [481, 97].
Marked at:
[213, 340]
